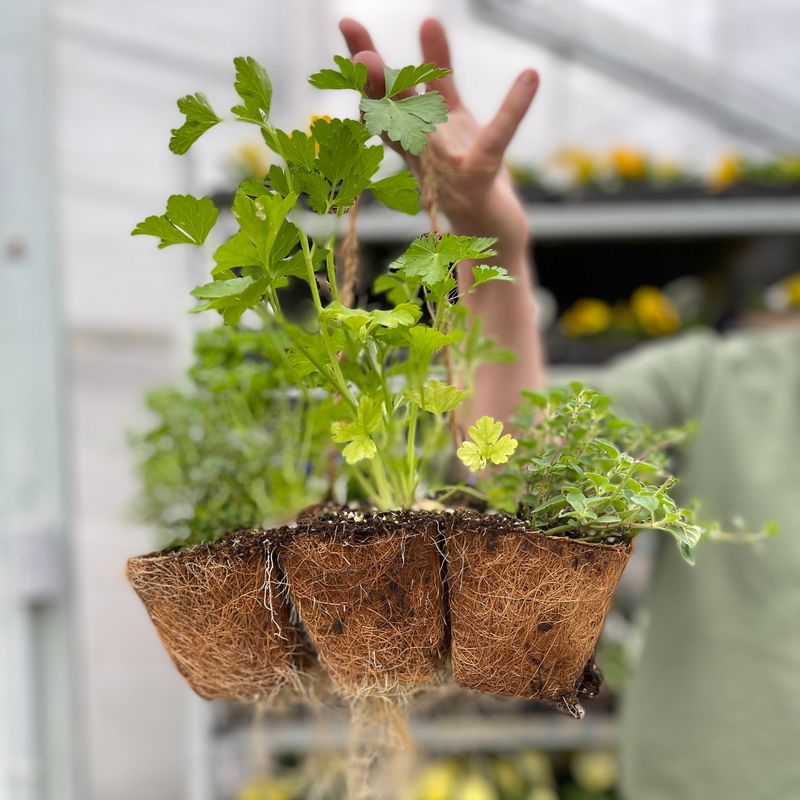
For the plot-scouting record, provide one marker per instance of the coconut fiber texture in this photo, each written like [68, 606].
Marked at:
[369, 591]
[222, 613]
[526, 609]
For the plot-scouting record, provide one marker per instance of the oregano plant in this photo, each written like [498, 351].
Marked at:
[580, 470]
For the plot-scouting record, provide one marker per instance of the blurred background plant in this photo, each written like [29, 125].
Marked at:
[230, 449]
[527, 775]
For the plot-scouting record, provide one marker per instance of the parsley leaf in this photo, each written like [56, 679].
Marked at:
[430, 258]
[437, 397]
[199, 118]
[188, 220]
[400, 192]
[254, 87]
[407, 121]
[398, 80]
[487, 445]
[484, 273]
[349, 76]
[358, 433]
[230, 297]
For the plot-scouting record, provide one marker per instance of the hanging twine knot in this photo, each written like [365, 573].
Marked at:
[430, 193]
[347, 289]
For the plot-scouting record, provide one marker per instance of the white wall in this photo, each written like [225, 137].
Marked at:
[122, 64]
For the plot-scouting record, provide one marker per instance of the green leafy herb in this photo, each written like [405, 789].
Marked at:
[399, 80]
[350, 75]
[581, 471]
[407, 121]
[188, 220]
[254, 87]
[488, 444]
[200, 117]
[400, 192]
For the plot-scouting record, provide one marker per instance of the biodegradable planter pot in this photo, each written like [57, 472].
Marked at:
[369, 591]
[221, 612]
[526, 609]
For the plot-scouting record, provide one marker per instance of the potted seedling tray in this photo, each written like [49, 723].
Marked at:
[384, 597]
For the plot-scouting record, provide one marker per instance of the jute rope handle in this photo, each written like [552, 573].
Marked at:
[347, 288]
[430, 202]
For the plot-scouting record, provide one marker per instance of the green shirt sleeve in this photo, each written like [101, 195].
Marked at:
[661, 384]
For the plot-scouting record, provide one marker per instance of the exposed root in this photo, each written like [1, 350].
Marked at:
[380, 749]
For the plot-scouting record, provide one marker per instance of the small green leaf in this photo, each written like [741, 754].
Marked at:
[423, 341]
[188, 220]
[357, 434]
[254, 87]
[430, 259]
[349, 76]
[646, 501]
[437, 397]
[200, 117]
[576, 500]
[398, 80]
[231, 297]
[407, 121]
[400, 192]
[484, 273]
[359, 448]
[487, 445]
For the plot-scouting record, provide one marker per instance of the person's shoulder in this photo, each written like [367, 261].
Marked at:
[757, 346]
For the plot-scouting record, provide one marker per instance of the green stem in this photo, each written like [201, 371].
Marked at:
[384, 493]
[331, 267]
[412, 478]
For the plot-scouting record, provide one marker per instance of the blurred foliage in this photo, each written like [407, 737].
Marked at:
[648, 312]
[232, 449]
[573, 169]
[528, 775]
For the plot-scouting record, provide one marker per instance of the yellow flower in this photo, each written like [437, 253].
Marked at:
[316, 118]
[666, 170]
[252, 157]
[265, 789]
[437, 782]
[580, 163]
[789, 167]
[728, 171]
[791, 286]
[628, 163]
[542, 793]
[595, 772]
[587, 317]
[509, 780]
[475, 787]
[654, 312]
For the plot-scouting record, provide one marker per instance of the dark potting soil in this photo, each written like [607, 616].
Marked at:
[360, 525]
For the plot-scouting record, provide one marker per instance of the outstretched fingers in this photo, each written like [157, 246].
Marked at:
[492, 141]
[356, 36]
[436, 50]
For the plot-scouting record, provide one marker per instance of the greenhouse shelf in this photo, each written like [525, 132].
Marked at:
[611, 220]
[450, 735]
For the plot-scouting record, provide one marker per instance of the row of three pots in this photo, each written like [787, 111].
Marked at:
[381, 601]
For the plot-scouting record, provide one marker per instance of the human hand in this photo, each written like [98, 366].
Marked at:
[474, 189]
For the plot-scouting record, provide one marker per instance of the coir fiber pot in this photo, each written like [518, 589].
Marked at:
[526, 609]
[222, 613]
[369, 591]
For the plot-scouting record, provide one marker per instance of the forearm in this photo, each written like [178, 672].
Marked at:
[508, 313]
